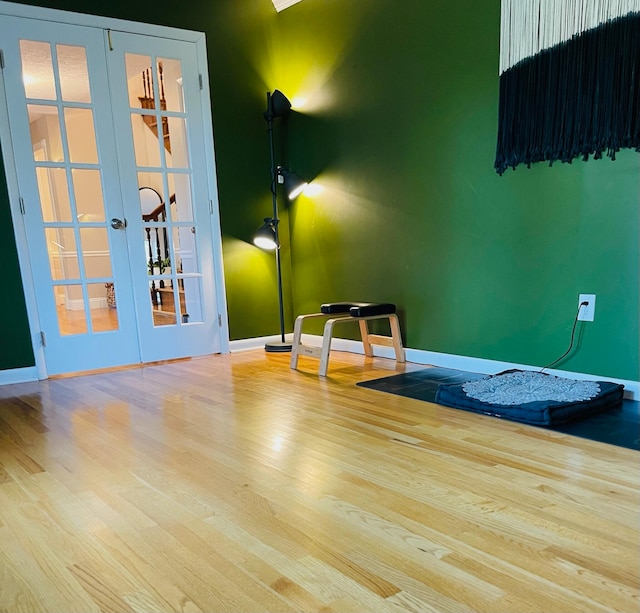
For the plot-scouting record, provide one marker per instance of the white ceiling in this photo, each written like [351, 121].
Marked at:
[283, 4]
[37, 70]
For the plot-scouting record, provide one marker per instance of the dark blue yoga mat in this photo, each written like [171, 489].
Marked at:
[619, 425]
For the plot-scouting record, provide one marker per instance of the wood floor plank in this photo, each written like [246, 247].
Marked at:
[157, 590]
[233, 483]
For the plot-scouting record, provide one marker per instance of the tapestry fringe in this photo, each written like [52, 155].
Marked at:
[578, 98]
[528, 27]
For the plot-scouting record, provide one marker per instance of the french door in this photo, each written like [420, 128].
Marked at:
[107, 137]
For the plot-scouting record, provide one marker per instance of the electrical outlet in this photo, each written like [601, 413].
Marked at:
[587, 313]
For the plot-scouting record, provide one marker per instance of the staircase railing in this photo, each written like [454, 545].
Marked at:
[157, 239]
[148, 102]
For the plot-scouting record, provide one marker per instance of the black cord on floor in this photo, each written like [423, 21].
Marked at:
[573, 333]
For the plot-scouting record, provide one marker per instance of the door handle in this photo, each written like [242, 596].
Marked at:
[118, 224]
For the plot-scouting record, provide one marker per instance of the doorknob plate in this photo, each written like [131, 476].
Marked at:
[118, 224]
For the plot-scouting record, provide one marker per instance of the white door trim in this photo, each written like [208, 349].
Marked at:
[106, 23]
[216, 228]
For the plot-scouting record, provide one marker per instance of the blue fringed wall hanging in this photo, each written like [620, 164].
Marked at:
[569, 80]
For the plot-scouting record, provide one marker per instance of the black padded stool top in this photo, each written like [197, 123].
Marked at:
[357, 309]
[364, 309]
[331, 308]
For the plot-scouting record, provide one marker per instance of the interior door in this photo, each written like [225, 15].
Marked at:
[65, 157]
[109, 152]
[157, 98]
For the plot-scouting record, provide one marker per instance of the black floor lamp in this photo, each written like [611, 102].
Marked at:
[268, 236]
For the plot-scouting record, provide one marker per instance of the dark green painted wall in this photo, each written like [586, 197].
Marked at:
[15, 348]
[401, 135]
[413, 213]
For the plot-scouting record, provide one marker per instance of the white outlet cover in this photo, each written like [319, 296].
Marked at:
[587, 313]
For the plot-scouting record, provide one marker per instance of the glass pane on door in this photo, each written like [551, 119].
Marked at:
[192, 291]
[150, 192]
[87, 187]
[72, 317]
[95, 253]
[164, 307]
[37, 70]
[46, 139]
[81, 136]
[176, 143]
[145, 140]
[181, 208]
[185, 249]
[139, 81]
[63, 254]
[53, 191]
[104, 314]
[160, 143]
[70, 186]
[74, 74]
[169, 77]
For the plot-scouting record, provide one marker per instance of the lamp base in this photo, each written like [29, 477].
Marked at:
[278, 347]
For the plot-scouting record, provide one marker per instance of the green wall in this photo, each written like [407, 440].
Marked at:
[15, 348]
[399, 131]
[413, 212]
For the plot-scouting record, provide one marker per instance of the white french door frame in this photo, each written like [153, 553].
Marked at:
[106, 24]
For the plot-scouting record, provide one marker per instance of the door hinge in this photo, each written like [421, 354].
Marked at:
[200, 82]
[219, 321]
[210, 207]
[43, 338]
[1, 58]
[21, 203]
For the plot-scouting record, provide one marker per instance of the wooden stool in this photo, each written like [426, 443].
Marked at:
[362, 312]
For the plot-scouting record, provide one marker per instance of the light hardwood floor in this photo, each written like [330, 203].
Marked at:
[232, 483]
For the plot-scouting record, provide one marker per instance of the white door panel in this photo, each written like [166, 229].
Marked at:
[65, 156]
[108, 147]
[158, 122]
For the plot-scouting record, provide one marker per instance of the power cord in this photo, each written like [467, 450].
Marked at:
[573, 333]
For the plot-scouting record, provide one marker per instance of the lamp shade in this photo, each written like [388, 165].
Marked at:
[265, 237]
[294, 185]
[280, 105]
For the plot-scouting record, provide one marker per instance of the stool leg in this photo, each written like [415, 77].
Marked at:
[297, 336]
[326, 347]
[364, 333]
[397, 338]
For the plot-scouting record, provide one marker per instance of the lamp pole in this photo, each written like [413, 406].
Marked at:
[281, 346]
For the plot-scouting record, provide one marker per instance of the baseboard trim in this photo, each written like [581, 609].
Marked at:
[245, 344]
[417, 356]
[18, 375]
[461, 362]
[94, 303]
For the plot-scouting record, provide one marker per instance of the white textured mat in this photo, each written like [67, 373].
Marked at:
[516, 388]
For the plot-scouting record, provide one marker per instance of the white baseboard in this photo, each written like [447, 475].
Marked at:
[417, 356]
[94, 303]
[18, 375]
[245, 344]
[461, 362]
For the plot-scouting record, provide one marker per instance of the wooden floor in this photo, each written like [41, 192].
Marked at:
[231, 483]
[75, 322]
